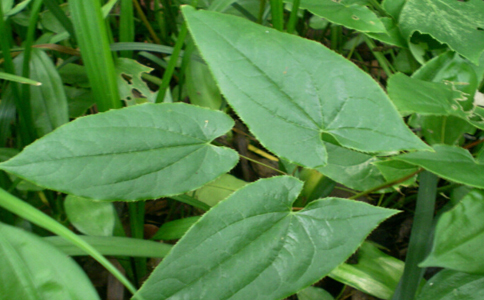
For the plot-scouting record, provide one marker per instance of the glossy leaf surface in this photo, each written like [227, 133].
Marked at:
[293, 89]
[452, 285]
[449, 162]
[253, 246]
[140, 152]
[456, 23]
[459, 236]
[33, 269]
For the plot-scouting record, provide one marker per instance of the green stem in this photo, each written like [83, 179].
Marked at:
[419, 238]
[382, 60]
[126, 25]
[291, 24]
[262, 7]
[262, 164]
[136, 217]
[28, 212]
[277, 11]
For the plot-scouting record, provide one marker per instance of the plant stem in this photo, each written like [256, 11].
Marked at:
[145, 21]
[382, 60]
[291, 24]
[262, 164]
[277, 11]
[419, 238]
[385, 185]
[165, 81]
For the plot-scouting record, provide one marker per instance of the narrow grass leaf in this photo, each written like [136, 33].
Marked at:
[255, 247]
[456, 23]
[93, 42]
[459, 236]
[141, 152]
[34, 269]
[293, 89]
[452, 285]
[449, 162]
[112, 246]
[19, 79]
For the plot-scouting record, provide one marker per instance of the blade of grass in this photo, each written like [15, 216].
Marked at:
[419, 238]
[165, 81]
[126, 25]
[142, 47]
[26, 124]
[113, 246]
[277, 11]
[291, 24]
[94, 44]
[28, 212]
[19, 79]
[136, 222]
[382, 60]
[145, 21]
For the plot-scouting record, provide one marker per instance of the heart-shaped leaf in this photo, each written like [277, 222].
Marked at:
[459, 236]
[449, 162]
[456, 23]
[290, 90]
[253, 246]
[33, 269]
[141, 152]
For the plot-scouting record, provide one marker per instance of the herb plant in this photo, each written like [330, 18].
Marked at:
[78, 136]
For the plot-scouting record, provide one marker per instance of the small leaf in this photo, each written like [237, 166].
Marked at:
[452, 285]
[254, 247]
[393, 170]
[130, 83]
[348, 13]
[293, 89]
[459, 236]
[33, 269]
[314, 293]
[219, 189]
[449, 162]
[376, 273]
[175, 229]
[140, 152]
[89, 217]
[459, 24]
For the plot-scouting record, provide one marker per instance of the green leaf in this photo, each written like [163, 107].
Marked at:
[449, 162]
[89, 217]
[451, 285]
[344, 12]
[393, 7]
[393, 170]
[79, 101]
[19, 79]
[351, 168]
[112, 246]
[175, 229]
[459, 236]
[293, 89]
[33, 269]
[314, 293]
[391, 36]
[459, 24]
[48, 101]
[213, 192]
[376, 273]
[254, 247]
[130, 84]
[141, 152]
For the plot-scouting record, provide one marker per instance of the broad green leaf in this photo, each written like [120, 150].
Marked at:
[112, 246]
[459, 236]
[351, 168]
[290, 91]
[447, 130]
[314, 293]
[253, 246]
[393, 170]
[376, 273]
[391, 35]
[74, 75]
[452, 285]
[48, 101]
[449, 162]
[393, 7]
[130, 84]
[175, 229]
[349, 13]
[89, 217]
[201, 86]
[19, 79]
[219, 189]
[456, 23]
[23, 185]
[79, 101]
[33, 269]
[141, 152]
